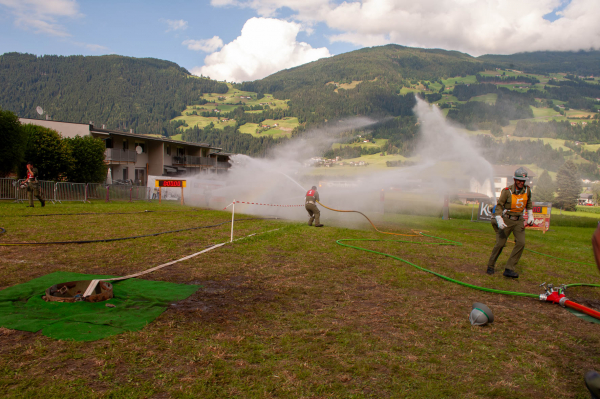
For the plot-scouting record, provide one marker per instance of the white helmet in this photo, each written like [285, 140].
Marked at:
[481, 315]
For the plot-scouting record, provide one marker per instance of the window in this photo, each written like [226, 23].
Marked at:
[125, 173]
[140, 177]
[168, 150]
[108, 143]
[125, 144]
[142, 146]
[180, 152]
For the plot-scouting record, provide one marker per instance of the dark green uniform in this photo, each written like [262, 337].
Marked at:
[33, 187]
[312, 196]
[514, 220]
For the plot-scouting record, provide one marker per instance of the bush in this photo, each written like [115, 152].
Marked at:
[48, 152]
[13, 142]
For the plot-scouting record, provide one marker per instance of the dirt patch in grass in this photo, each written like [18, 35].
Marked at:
[472, 268]
[222, 301]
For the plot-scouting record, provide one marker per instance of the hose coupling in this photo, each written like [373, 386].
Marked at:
[562, 301]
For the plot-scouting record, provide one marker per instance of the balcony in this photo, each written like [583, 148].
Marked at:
[223, 165]
[189, 160]
[116, 156]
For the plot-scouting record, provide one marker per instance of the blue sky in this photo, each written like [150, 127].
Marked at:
[239, 40]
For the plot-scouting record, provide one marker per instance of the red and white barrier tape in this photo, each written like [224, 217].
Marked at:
[258, 203]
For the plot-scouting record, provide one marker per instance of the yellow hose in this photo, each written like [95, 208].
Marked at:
[375, 227]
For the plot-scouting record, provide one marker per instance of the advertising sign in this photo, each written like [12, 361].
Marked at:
[541, 216]
[484, 214]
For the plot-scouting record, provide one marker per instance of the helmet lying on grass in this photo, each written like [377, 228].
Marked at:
[481, 315]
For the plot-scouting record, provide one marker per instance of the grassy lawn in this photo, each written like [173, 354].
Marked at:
[233, 98]
[284, 127]
[458, 80]
[489, 98]
[249, 128]
[544, 112]
[406, 90]
[345, 86]
[292, 314]
[376, 162]
[202, 122]
[371, 144]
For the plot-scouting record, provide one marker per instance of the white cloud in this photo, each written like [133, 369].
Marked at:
[95, 47]
[206, 45]
[473, 26]
[42, 15]
[173, 25]
[265, 46]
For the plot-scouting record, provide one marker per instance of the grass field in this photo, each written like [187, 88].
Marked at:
[284, 127]
[345, 86]
[371, 144]
[202, 122]
[292, 314]
[406, 90]
[489, 98]
[233, 97]
[544, 112]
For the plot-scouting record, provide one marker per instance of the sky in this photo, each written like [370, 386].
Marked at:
[242, 40]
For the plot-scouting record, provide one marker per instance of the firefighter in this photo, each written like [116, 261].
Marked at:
[33, 186]
[312, 196]
[509, 214]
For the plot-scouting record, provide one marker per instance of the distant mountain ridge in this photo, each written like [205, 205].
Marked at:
[124, 93]
[576, 62]
[145, 94]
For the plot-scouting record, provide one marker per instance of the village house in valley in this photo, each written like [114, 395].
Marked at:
[135, 156]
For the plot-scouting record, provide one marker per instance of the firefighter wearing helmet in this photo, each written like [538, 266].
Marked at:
[310, 204]
[509, 218]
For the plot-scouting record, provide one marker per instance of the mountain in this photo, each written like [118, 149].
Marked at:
[487, 93]
[584, 63]
[392, 63]
[123, 93]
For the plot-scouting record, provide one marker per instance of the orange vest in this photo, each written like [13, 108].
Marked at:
[518, 201]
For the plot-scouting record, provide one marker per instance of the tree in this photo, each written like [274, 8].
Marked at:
[12, 138]
[568, 186]
[545, 188]
[596, 192]
[88, 164]
[48, 152]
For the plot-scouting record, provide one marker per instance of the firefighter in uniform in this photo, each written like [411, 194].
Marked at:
[510, 210]
[312, 196]
[33, 186]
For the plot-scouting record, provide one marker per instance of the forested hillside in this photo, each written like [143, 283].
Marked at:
[531, 96]
[579, 63]
[380, 73]
[123, 93]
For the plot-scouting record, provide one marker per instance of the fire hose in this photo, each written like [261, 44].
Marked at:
[5, 244]
[551, 295]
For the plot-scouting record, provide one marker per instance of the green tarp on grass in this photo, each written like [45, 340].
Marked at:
[137, 303]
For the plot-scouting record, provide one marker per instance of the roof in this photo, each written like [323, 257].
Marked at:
[509, 170]
[107, 132]
[94, 129]
[229, 154]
